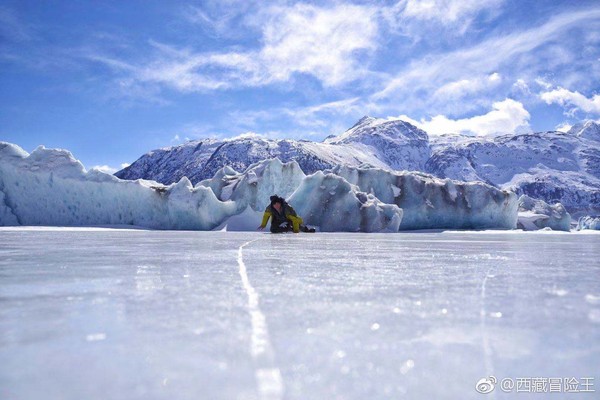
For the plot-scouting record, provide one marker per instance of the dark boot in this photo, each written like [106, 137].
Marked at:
[306, 229]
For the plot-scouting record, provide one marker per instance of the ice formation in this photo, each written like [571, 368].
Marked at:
[432, 203]
[50, 187]
[256, 184]
[333, 204]
[537, 214]
[589, 222]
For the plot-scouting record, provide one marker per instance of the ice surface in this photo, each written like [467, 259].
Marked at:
[123, 314]
[537, 214]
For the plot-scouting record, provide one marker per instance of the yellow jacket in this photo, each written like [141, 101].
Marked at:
[294, 219]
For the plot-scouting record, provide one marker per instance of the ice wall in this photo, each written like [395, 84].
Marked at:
[589, 222]
[331, 203]
[256, 184]
[537, 214]
[432, 203]
[50, 187]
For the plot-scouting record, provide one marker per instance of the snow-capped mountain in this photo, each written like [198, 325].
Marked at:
[376, 142]
[551, 166]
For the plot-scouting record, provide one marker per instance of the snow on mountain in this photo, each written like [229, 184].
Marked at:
[399, 144]
[551, 166]
[384, 144]
[51, 187]
[588, 130]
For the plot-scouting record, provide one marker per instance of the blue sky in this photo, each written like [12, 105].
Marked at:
[111, 80]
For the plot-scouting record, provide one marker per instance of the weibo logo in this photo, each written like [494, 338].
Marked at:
[486, 385]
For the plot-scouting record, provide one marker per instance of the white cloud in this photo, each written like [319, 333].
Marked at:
[319, 41]
[575, 100]
[454, 16]
[507, 116]
[446, 11]
[522, 86]
[495, 54]
[125, 165]
[324, 42]
[563, 127]
[105, 168]
[248, 135]
[458, 89]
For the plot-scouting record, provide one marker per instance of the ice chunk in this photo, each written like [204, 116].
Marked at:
[429, 202]
[247, 220]
[589, 222]
[259, 182]
[331, 203]
[537, 214]
[50, 187]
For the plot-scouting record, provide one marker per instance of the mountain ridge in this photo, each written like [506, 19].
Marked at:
[552, 166]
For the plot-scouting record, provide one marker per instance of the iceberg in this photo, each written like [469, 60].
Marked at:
[589, 222]
[433, 203]
[537, 214]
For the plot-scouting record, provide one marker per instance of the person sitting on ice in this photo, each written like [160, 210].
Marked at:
[283, 217]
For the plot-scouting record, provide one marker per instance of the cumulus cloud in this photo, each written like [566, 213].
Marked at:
[319, 41]
[507, 116]
[563, 127]
[574, 101]
[105, 168]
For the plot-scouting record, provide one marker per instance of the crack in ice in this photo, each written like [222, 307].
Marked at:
[268, 376]
[487, 351]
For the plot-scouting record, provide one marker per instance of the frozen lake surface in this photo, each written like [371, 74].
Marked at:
[134, 314]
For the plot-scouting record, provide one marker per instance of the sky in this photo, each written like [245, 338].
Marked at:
[112, 80]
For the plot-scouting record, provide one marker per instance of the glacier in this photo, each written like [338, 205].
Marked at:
[51, 187]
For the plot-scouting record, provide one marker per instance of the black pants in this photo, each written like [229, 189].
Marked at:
[281, 228]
